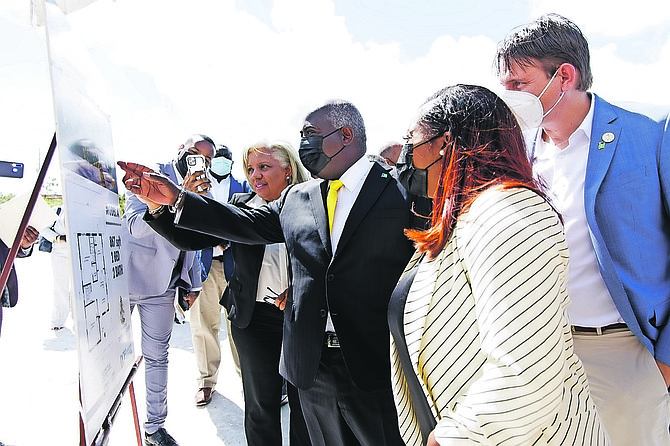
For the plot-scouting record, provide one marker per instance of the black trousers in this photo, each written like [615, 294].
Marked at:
[338, 413]
[259, 347]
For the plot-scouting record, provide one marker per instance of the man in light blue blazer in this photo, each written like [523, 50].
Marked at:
[156, 271]
[608, 173]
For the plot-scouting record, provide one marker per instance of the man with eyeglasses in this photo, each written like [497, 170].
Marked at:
[343, 270]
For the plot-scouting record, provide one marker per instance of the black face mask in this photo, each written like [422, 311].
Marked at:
[311, 152]
[413, 179]
[182, 167]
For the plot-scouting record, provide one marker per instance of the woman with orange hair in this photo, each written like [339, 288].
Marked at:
[482, 349]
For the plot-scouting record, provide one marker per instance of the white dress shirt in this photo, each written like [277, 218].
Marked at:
[564, 173]
[220, 192]
[273, 278]
[352, 180]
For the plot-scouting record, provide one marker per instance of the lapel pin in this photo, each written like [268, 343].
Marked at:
[384, 175]
[606, 138]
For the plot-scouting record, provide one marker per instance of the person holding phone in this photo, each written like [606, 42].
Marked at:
[156, 272]
[217, 268]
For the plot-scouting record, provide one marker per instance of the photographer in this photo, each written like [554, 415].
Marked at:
[157, 272]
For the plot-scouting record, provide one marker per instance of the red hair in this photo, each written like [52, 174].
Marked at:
[485, 148]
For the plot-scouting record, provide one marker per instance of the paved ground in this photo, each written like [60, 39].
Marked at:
[38, 379]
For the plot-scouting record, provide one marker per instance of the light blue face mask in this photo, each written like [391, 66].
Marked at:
[221, 166]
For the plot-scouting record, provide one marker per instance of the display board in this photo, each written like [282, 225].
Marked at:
[100, 306]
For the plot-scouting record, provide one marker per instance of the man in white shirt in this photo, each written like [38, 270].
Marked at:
[217, 262]
[607, 173]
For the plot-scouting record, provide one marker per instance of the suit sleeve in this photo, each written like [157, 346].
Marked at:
[517, 275]
[195, 274]
[662, 346]
[134, 211]
[228, 222]
[181, 238]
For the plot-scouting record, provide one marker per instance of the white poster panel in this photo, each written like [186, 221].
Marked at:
[100, 306]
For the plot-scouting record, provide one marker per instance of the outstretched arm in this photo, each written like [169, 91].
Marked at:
[151, 187]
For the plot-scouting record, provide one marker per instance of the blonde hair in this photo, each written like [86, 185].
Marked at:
[282, 152]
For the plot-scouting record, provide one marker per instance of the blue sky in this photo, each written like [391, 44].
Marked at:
[246, 70]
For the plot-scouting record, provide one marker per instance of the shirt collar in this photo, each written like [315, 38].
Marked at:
[586, 126]
[353, 177]
[584, 129]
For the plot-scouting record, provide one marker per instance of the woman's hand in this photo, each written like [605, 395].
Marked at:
[431, 440]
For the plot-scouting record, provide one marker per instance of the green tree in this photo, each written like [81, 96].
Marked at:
[4, 197]
[122, 202]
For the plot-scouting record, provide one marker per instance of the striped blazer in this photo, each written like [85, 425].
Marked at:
[488, 334]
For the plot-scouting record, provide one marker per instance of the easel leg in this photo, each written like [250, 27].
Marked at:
[82, 433]
[133, 404]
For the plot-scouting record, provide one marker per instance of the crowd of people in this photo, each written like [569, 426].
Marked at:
[528, 306]
[499, 278]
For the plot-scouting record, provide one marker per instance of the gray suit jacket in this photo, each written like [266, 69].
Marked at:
[149, 258]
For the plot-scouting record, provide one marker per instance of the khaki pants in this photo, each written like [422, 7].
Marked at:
[205, 319]
[627, 387]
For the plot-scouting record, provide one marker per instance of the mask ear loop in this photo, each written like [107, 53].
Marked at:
[441, 156]
[544, 115]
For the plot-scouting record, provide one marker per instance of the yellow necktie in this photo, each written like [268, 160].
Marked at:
[331, 200]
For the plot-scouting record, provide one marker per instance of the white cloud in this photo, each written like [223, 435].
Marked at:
[604, 17]
[176, 67]
[620, 80]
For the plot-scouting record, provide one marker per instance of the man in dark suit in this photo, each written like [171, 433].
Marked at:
[336, 338]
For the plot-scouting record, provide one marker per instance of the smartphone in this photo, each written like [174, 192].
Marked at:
[11, 169]
[195, 163]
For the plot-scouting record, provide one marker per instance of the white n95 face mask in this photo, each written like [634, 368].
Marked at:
[526, 107]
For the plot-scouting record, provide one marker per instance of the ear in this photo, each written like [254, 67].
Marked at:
[347, 135]
[289, 173]
[442, 143]
[569, 77]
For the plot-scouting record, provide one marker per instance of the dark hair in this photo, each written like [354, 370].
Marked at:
[551, 40]
[485, 148]
[343, 113]
[223, 151]
[208, 139]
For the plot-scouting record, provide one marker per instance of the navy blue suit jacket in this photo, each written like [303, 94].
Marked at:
[206, 253]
